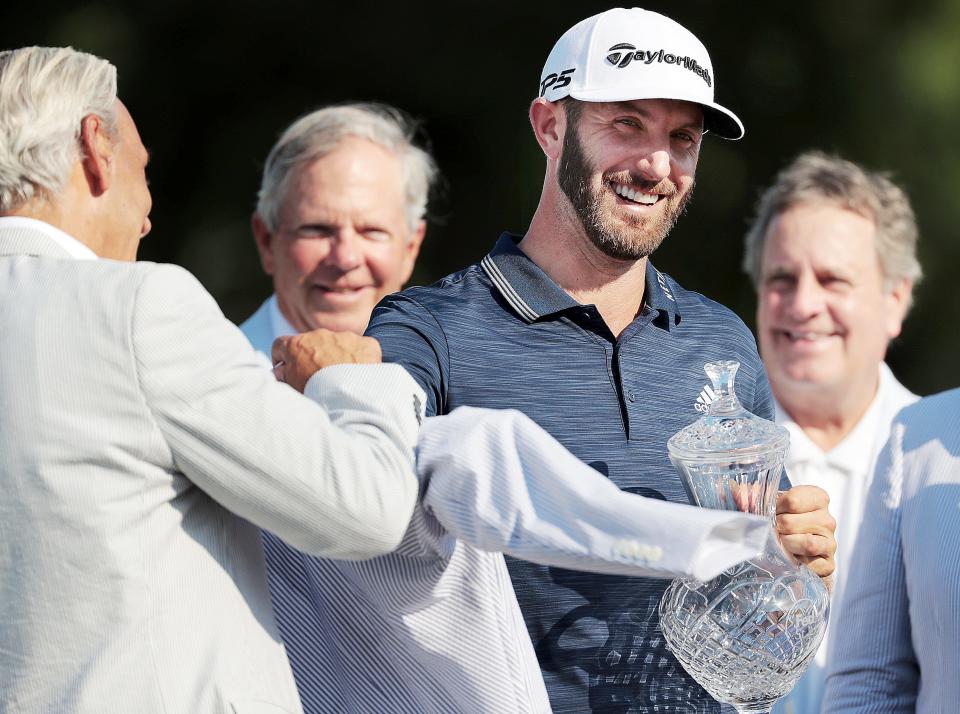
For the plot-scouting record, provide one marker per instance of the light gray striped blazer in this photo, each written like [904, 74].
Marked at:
[899, 649]
[138, 436]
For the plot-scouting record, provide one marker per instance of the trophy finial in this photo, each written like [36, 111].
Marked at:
[722, 375]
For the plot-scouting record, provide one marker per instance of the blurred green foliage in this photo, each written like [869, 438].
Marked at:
[211, 86]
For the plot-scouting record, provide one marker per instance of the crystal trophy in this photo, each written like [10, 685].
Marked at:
[748, 634]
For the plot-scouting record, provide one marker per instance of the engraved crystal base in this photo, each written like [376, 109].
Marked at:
[747, 635]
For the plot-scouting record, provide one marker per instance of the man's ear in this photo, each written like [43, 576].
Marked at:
[97, 151]
[548, 120]
[897, 302]
[412, 250]
[264, 238]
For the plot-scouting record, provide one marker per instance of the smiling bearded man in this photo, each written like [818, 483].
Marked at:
[643, 234]
[571, 324]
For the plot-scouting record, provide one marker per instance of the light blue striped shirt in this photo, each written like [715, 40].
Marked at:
[899, 650]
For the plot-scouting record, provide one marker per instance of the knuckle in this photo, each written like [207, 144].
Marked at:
[813, 545]
[789, 524]
[822, 497]
[788, 500]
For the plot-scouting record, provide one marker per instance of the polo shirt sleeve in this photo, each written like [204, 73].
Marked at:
[410, 335]
[762, 404]
[763, 396]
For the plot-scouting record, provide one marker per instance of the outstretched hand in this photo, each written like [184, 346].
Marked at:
[807, 529]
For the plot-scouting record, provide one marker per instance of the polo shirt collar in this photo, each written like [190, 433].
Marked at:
[658, 294]
[533, 294]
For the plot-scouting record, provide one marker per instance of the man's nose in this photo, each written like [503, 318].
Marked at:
[806, 299]
[345, 250]
[654, 165]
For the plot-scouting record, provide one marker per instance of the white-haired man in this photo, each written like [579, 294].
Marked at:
[572, 325]
[141, 443]
[832, 253]
[339, 219]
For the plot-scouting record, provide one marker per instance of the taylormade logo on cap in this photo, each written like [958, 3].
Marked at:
[624, 55]
[647, 57]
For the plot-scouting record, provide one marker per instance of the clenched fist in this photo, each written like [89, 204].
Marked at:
[298, 357]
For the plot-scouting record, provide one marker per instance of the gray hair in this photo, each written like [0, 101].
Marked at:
[319, 132]
[815, 177]
[45, 93]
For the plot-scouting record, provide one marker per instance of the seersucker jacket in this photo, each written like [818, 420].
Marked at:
[141, 446]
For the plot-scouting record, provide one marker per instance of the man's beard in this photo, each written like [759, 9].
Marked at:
[639, 236]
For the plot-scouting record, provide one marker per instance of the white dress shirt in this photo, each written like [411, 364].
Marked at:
[845, 473]
[900, 653]
[435, 626]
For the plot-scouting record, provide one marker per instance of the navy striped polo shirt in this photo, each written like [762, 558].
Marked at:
[502, 334]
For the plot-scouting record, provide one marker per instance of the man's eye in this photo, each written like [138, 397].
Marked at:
[835, 282]
[779, 282]
[377, 235]
[627, 121]
[314, 232]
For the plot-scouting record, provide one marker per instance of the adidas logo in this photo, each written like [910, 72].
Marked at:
[706, 398]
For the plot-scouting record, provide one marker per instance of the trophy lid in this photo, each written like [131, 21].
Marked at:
[728, 432]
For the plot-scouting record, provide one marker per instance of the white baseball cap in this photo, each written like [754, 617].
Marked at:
[626, 54]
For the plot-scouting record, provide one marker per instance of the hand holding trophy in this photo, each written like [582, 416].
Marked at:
[747, 635]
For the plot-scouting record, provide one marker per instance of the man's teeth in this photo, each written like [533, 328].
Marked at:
[636, 196]
[805, 335]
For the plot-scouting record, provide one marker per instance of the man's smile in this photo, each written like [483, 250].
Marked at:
[340, 293]
[635, 195]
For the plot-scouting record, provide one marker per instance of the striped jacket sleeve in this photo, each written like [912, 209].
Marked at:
[873, 668]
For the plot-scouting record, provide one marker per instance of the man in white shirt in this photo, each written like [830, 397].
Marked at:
[832, 254]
